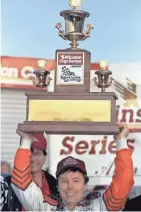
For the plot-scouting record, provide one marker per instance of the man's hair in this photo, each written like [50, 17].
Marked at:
[71, 169]
[44, 151]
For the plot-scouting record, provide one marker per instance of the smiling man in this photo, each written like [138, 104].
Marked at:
[72, 181]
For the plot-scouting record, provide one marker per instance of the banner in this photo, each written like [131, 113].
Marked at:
[98, 152]
[15, 72]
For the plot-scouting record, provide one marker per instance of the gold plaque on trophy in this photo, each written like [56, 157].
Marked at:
[68, 110]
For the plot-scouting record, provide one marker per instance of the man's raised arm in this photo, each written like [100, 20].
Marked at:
[26, 190]
[122, 182]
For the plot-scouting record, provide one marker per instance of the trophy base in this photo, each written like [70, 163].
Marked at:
[69, 113]
[71, 128]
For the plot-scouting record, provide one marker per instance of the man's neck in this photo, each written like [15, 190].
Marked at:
[70, 207]
[38, 178]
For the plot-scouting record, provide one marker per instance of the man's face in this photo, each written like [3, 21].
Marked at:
[5, 169]
[71, 186]
[37, 160]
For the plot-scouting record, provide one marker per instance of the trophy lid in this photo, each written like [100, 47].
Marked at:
[70, 14]
[41, 72]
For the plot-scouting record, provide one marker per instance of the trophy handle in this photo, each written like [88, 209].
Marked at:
[87, 33]
[33, 80]
[61, 32]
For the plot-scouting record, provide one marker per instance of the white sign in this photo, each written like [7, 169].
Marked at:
[98, 152]
[70, 68]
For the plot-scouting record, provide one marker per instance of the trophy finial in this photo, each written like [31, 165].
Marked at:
[41, 64]
[103, 64]
[75, 4]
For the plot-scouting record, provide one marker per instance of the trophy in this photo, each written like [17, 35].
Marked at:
[72, 108]
[102, 80]
[42, 77]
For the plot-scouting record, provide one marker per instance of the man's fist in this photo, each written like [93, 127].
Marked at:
[123, 132]
[25, 135]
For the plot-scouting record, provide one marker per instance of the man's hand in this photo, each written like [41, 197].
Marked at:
[25, 135]
[27, 139]
[123, 132]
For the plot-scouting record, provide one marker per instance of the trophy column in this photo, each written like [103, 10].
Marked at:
[73, 64]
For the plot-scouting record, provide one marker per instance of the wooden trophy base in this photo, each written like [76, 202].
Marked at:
[71, 128]
[71, 113]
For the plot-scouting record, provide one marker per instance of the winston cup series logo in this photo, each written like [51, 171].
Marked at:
[68, 75]
[69, 161]
[70, 68]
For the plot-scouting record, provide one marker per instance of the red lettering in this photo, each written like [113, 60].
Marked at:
[81, 147]
[124, 115]
[112, 147]
[104, 143]
[93, 147]
[128, 115]
[139, 115]
[66, 144]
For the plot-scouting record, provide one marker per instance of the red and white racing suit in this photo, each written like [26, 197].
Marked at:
[114, 198]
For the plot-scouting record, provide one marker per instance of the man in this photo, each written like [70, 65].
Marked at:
[44, 181]
[72, 181]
